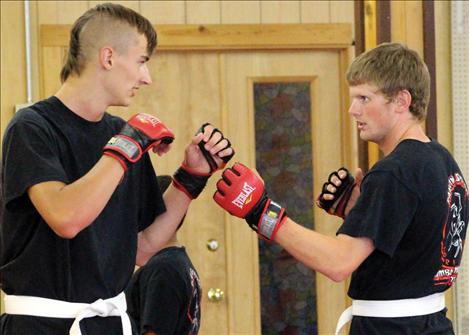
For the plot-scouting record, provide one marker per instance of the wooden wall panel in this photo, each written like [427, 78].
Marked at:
[443, 72]
[135, 5]
[69, 11]
[203, 12]
[13, 74]
[238, 12]
[406, 24]
[315, 11]
[164, 12]
[280, 12]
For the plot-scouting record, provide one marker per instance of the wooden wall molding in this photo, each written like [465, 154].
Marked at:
[232, 36]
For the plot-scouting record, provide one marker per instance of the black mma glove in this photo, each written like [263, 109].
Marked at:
[211, 161]
[337, 205]
[193, 183]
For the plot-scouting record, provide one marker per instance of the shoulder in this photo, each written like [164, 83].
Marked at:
[114, 120]
[414, 163]
[29, 117]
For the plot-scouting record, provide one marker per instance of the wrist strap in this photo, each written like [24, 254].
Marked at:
[188, 182]
[271, 219]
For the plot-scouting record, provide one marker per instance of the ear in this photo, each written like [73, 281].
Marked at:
[403, 99]
[106, 57]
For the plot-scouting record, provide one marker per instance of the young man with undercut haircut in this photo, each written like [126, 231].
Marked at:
[82, 204]
[405, 221]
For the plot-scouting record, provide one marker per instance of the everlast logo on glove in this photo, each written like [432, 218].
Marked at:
[145, 118]
[245, 196]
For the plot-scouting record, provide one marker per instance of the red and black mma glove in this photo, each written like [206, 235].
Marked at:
[140, 133]
[191, 182]
[241, 193]
[337, 205]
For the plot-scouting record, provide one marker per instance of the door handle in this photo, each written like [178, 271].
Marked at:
[215, 294]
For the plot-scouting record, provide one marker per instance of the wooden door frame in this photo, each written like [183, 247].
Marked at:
[238, 37]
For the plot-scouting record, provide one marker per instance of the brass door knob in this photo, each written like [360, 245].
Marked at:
[215, 295]
[212, 245]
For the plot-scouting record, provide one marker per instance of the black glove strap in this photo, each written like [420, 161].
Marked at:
[254, 216]
[193, 184]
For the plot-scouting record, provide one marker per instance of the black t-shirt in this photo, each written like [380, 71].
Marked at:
[414, 205]
[164, 295]
[48, 142]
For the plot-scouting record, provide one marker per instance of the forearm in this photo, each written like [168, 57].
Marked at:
[154, 237]
[70, 208]
[334, 256]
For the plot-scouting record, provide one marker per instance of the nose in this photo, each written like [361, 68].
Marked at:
[146, 76]
[353, 109]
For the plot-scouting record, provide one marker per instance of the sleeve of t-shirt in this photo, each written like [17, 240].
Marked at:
[29, 157]
[383, 211]
[162, 302]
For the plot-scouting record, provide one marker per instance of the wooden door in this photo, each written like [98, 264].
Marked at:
[321, 69]
[206, 74]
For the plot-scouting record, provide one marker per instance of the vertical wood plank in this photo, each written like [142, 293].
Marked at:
[236, 12]
[207, 12]
[280, 11]
[164, 12]
[13, 74]
[69, 11]
[443, 74]
[414, 22]
[398, 21]
[342, 11]
[47, 12]
[407, 23]
[135, 5]
[315, 11]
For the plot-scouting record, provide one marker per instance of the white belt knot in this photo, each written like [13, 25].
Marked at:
[37, 306]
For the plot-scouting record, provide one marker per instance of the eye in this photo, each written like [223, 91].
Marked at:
[363, 98]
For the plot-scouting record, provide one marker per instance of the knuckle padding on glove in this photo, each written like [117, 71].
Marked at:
[346, 183]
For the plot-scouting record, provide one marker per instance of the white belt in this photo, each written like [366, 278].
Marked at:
[36, 306]
[392, 308]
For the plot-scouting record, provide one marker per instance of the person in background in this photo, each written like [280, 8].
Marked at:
[164, 295]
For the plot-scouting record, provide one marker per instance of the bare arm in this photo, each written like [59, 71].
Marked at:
[155, 236]
[334, 256]
[70, 208]
[177, 199]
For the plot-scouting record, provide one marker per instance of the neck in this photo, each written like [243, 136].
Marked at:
[82, 98]
[173, 243]
[411, 131]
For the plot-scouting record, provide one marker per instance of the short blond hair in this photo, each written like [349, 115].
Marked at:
[393, 67]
